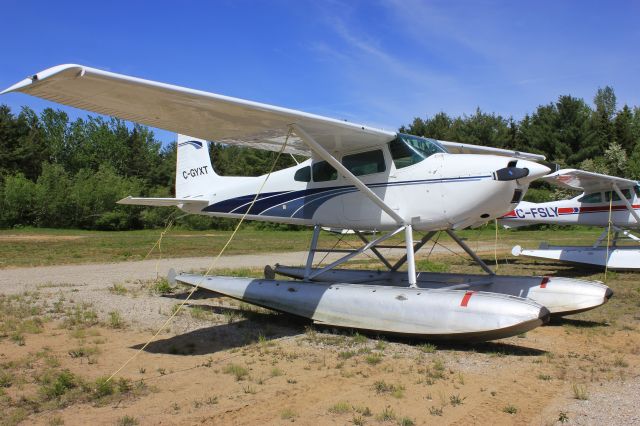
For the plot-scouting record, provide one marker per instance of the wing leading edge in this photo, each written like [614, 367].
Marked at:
[582, 180]
[201, 114]
[210, 116]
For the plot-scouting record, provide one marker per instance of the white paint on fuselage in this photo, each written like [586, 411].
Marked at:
[436, 193]
[573, 212]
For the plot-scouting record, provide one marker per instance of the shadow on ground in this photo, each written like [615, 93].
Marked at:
[555, 322]
[209, 340]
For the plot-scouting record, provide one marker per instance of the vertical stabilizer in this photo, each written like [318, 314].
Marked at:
[194, 174]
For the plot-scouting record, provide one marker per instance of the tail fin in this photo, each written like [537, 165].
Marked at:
[194, 172]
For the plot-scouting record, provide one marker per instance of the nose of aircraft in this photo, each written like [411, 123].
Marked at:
[522, 170]
[536, 170]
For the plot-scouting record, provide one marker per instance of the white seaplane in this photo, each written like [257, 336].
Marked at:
[358, 178]
[604, 200]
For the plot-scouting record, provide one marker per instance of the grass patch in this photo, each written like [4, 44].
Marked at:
[127, 421]
[80, 316]
[424, 265]
[116, 321]
[238, 371]
[118, 288]
[455, 400]
[510, 409]
[358, 339]
[199, 313]
[428, 348]
[288, 414]
[346, 354]
[435, 411]
[580, 392]
[382, 387]
[362, 410]
[342, 407]
[387, 415]
[374, 358]
[161, 286]
[406, 421]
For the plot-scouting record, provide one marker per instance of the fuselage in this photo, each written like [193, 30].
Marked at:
[438, 191]
[591, 208]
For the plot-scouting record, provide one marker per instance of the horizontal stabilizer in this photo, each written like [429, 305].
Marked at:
[163, 202]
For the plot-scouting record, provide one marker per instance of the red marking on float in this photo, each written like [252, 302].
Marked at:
[544, 282]
[465, 298]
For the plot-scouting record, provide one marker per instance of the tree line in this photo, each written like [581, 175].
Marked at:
[57, 172]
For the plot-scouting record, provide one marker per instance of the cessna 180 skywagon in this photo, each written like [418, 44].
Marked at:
[604, 199]
[357, 177]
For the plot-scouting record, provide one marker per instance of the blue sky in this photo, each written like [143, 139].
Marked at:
[376, 62]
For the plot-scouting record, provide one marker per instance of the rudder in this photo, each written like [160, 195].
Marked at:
[194, 173]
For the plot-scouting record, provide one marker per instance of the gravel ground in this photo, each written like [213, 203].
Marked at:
[91, 284]
[611, 403]
[614, 403]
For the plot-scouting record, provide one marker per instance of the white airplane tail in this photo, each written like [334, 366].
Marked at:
[194, 172]
[195, 177]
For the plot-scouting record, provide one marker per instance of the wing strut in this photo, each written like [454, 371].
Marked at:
[364, 189]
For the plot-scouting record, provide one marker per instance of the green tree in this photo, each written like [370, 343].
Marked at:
[19, 195]
[624, 129]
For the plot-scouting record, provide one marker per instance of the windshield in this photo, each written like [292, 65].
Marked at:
[407, 150]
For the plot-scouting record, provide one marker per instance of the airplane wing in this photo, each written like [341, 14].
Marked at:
[197, 113]
[587, 181]
[465, 148]
[163, 202]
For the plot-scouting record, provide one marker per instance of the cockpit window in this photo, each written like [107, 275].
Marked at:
[365, 163]
[595, 197]
[407, 150]
[625, 192]
[323, 171]
[303, 174]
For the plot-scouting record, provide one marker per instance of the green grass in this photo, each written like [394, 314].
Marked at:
[382, 387]
[67, 246]
[238, 371]
[342, 407]
[510, 409]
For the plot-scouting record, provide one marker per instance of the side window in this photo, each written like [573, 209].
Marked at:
[365, 163]
[303, 174]
[637, 190]
[595, 197]
[625, 192]
[323, 171]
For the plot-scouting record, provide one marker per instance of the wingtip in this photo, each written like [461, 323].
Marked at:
[19, 85]
[41, 76]
[125, 200]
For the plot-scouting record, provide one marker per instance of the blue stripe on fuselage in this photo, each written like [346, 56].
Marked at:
[304, 203]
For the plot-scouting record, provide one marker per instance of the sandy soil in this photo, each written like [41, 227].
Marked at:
[286, 371]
